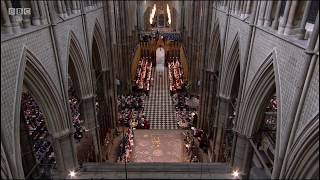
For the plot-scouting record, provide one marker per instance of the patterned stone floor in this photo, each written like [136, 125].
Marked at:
[158, 146]
[158, 107]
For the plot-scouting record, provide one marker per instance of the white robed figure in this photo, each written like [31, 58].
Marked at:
[160, 55]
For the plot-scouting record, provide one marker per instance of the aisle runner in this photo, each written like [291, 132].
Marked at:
[158, 107]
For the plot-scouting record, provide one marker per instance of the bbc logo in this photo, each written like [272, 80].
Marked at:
[19, 11]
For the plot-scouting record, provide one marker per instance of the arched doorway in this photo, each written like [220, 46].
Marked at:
[160, 59]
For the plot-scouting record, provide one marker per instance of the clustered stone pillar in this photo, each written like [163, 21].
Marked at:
[261, 13]
[10, 23]
[65, 8]
[267, 16]
[74, 7]
[284, 18]
[26, 22]
[65, 152]
[68, 7]
[248, 8]
[242, 155]
[5, 18]
[289, 25]
[35, 13]
[303, 22]
[42, 12]
[59, 7]
[14, 24]
[275, 22]
[88, 105]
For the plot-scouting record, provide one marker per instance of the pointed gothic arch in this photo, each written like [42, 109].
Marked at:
[210, 80]
[263, 83]
[259, 118]
[5, 167]
[101, 85]
[98, 38]
[213, 64]
[303, 158]
[33, 75]
[79, 65]
[230, 68]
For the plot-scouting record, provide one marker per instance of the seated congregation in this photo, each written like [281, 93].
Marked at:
[144, 75]
[131, 112]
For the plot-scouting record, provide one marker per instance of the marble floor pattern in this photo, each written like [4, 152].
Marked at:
[158, 146]
[158, 106]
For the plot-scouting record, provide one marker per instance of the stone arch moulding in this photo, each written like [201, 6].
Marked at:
[5, 167]
[34, 76]
[230, 66]
[215, 43]
[99, 37]
[80, 64]
[264, 82]
[303, 157]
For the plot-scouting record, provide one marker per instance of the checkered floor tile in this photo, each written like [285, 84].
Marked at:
[158, 107]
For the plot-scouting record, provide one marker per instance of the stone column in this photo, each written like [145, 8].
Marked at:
[302, 29]
[68, 7]
[223, 117]
[242, 156]
[65, 152]
[209, 104]
[243, 9]
[88, 110]
[283, 21]
[315, 33]
[78, 5]
[246, 164]
[74, 7]
[289, 26]
[254, 9]
[218, 141]
[275, 22]
[14, 24]
[64, 9]
[237, 8]
[5, 18]
[262, 10]
[242, 5]
[267, 16]
[248, 7]
[26, 22]
[233, 4]
[59, 6]
[106, 99]
[35, 13]
[43, 16]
